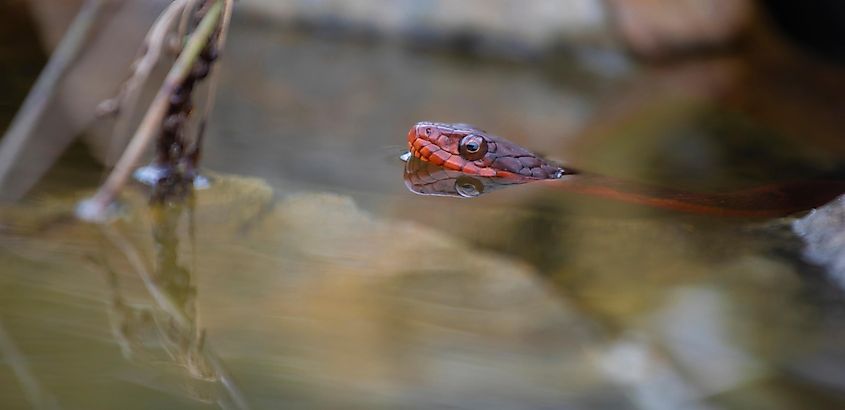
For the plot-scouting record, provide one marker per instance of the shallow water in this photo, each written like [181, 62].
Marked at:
[309, 276]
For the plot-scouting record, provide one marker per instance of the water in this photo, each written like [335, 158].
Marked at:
[308, 276]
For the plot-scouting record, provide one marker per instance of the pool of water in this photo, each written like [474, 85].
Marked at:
[308, 276]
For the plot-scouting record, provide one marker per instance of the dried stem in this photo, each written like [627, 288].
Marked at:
[94, 209]
[126, 100]
[185, 20]
[45, 87]
[213, 81]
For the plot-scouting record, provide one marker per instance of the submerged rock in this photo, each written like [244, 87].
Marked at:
[309, 288]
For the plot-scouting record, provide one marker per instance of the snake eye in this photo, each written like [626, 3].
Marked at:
[473, 147]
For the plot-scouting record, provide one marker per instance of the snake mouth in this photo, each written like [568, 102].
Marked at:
[464, 148]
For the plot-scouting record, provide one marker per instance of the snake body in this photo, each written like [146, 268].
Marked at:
[461, 160]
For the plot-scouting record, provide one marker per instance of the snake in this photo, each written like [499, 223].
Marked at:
[460, 160]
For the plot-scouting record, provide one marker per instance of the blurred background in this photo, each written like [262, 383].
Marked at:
[308, 276]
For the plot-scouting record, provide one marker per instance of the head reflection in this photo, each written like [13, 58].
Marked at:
[426, 178]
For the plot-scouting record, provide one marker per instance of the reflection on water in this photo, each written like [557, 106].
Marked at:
[426, 178]
[171, 323]
[313, 295]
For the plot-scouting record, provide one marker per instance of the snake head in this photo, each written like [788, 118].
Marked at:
[461, 147]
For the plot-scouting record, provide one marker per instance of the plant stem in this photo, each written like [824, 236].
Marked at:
[94, 209]
[131, 90]
[45, 87]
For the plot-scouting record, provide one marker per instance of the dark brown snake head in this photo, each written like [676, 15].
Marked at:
[463, 148]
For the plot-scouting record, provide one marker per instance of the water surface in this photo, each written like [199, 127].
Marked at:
[308, 276]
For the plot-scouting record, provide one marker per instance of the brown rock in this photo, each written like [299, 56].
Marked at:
[657, 28]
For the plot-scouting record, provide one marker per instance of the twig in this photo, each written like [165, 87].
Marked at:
[94, 209]
[45, 87]
[185, 20]
[125, 101]
[213, 81]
